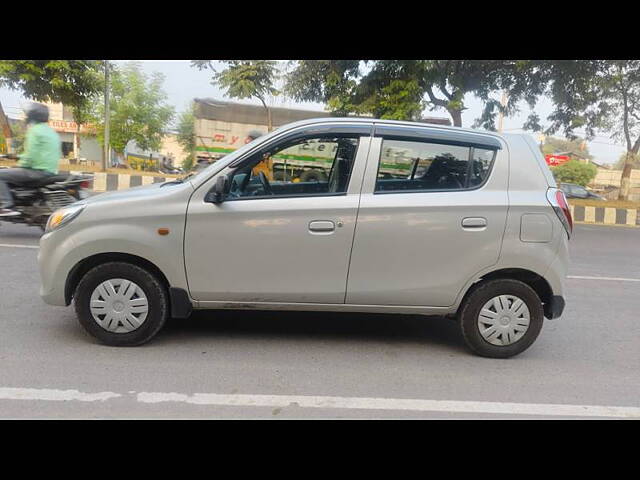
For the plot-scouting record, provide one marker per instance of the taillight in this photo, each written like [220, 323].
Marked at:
[85, 184]
[561, 207]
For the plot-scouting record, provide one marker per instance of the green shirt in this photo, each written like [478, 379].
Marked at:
[42, 149]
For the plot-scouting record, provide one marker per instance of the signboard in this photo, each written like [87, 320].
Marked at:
[69, 127]
[555, 160]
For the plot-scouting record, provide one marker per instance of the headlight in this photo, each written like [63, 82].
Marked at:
[63, 216]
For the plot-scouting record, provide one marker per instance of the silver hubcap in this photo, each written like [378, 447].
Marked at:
[119, 305]
[503, 320]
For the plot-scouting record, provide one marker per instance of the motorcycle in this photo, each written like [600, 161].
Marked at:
[37, 201]
[166, 166]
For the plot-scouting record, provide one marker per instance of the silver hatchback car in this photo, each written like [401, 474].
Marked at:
[400, 218]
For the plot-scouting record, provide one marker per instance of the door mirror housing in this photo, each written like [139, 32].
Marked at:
[220, 189]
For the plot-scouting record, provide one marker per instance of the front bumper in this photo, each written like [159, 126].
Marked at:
[54, 264]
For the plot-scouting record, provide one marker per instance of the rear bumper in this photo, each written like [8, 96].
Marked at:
[555, 307]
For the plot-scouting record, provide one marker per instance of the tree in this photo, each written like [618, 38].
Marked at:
[597, 95]
[574, 171]
[332, 82]
[137, 110]
[73, 83]
[401, 89]
[187, 136]
[70, 82]
[246, 79]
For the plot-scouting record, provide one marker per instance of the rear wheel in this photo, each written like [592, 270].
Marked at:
[121, 304]
[501, 318]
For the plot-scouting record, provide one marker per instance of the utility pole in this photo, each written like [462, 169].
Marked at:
[107, 149]
[503, 102]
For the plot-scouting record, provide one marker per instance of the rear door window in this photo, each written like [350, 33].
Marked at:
[423, 166]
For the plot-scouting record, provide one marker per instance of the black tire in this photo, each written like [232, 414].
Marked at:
[470, 309]
[155, 292]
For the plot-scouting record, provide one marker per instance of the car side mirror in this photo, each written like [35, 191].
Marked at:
[220, 189]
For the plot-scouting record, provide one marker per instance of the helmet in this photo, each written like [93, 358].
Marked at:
[37, 113]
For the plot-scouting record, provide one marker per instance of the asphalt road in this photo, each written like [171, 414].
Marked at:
[326, 365]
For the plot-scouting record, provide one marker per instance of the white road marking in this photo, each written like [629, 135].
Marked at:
[326, 402]
[611, 279]
[398, 404]
[11, 245]
[54, 395]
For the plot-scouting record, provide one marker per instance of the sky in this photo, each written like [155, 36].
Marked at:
[183, 83]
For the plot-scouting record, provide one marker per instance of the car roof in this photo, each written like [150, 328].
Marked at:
[434, 126]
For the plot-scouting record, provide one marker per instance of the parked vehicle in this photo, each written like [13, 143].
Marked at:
[37, 202]
[465, 224]
[572, 190]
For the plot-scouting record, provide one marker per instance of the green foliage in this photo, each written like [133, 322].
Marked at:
[399, 100]
[391, 90]
[332, 82]
[575, 172]
[401, 89]
[71, 82]
[137, 109]
[142, 164]
[188, 162]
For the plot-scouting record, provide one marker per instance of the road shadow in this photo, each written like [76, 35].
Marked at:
[289, 325]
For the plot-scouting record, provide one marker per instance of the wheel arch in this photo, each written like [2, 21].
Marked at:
[86, 264]
[536, 281]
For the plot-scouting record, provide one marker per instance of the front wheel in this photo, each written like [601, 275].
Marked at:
[501, 318]
[121, 304]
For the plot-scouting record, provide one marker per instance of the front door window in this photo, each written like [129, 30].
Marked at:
[308, 167]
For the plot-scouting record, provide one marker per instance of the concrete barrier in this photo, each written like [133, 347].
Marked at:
[605, 215]
[106, 182]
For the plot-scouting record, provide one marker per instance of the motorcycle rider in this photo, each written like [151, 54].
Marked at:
[42, 152]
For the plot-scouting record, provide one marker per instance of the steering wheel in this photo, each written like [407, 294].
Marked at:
[265, 183]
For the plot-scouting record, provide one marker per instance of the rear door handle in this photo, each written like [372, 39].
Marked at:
[474, 223]
[322, 226]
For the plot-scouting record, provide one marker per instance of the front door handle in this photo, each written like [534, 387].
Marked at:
[475, 223]
[322, 226]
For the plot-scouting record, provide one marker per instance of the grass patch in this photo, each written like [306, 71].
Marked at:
[606, 203]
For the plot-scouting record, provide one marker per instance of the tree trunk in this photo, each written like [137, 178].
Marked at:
[269, 123]
[625, 181]
[456, 116]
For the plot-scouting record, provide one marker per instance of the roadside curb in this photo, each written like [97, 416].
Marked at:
[605, 215]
